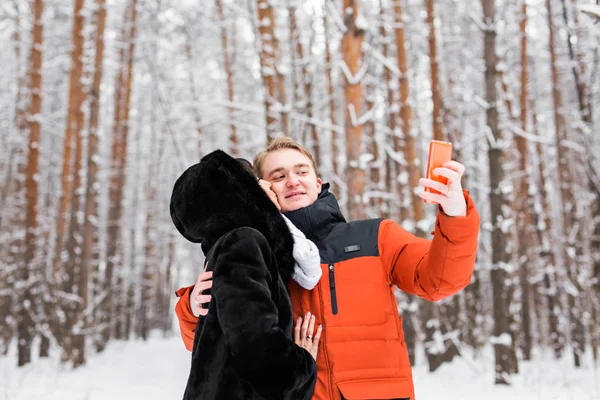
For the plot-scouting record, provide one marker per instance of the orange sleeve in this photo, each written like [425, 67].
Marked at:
[432, 269]
[187, 320]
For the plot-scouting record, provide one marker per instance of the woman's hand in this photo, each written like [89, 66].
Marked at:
[303, 334]
[197, 298]
[266, 186]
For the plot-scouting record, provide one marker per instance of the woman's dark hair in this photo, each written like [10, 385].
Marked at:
[247, 164]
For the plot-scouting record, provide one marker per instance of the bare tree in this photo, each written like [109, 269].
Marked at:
[523, 200]
[14, 188]
[438, 133]
[331, 96]
[571, 240]
[72, 267]
[574, 39]
[71, 127]
[266, 30]
[90, 252]
[404, 142]
[498, 201]
[118, 167]
[403, 139]
[351, 51]
[26, 324]
[543, 224]
[228, 66]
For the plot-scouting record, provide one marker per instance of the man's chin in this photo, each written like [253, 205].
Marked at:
[293, 206]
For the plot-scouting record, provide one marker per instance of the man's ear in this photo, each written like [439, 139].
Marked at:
[319, 184]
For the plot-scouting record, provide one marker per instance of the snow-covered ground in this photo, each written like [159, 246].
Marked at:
[158, 369]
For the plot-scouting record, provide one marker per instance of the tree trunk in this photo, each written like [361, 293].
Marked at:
[228, 64]
[122, 173]
[578, 66]
[524, 202]
[302, 98]
[404, 141]
[595, 286]
[565, 183]
[474, 335]
[130, 267]
[90, 253]
[474, 330]
[584, 98]
[130, 306]
[150, 243]
[167, 316]
[193, 92]
[498, 201]
[392, 108]
[74, 109]
[430, 321]
[113, 231]
[266, 31]
[374, 167]
[297, 60]
[440, 327]
[25, 306]
[450, 312]
[308, 90]
[438, 133]
[281, 84]
[543, 223]
[332, 120]
[62, 278]
[14, 192]
[117, 179]
[71, 266]
[351, 50]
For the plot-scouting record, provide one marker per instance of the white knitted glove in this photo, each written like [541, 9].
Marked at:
[307, 270]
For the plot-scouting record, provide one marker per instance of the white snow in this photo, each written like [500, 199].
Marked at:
[504, 339]
[592, 9]
[158, 369]
[153, 370]
[361, 22]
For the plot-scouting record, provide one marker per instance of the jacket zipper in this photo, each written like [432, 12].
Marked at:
[320, 287]
[334, 306]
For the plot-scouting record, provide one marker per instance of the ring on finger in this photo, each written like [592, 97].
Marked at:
[309, 337]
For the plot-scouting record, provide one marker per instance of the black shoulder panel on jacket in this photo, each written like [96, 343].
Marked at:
[351, 240]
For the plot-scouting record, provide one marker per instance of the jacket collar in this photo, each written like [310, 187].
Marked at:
[318, 219]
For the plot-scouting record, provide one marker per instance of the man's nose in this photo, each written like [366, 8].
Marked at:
[292, 180]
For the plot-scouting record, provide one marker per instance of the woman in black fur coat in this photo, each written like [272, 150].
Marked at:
[243, 348]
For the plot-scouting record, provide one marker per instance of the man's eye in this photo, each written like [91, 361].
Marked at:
[278, 177]
[302, 172]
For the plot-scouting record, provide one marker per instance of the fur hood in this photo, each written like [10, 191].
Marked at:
[218, 195]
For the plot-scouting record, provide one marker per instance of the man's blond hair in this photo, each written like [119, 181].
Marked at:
[281, 143]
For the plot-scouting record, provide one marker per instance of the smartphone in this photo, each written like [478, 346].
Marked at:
[439, 154]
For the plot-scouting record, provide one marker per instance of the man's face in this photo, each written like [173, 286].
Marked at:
[292, 178]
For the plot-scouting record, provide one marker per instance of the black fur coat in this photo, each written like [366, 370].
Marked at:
[243, 348]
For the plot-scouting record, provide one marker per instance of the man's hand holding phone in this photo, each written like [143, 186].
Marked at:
[442, 180]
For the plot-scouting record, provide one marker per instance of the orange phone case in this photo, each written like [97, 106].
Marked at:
[439, 153]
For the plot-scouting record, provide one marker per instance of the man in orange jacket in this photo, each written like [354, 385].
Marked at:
[362, 354]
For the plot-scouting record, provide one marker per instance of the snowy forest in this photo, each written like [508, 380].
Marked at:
[104, 103]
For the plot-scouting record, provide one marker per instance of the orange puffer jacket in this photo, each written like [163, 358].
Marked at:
[362, 354]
